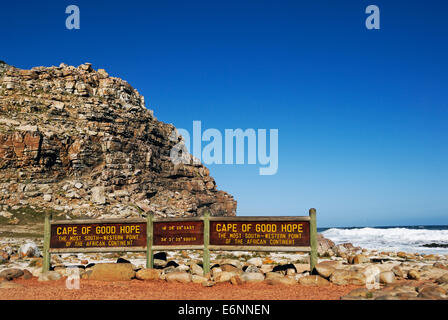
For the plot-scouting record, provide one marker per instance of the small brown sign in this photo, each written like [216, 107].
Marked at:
[177, 233]
[98, 235]
[260, 233]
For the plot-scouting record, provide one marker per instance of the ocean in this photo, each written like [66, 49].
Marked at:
[415, 239]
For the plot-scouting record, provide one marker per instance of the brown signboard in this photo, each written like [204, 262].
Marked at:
[175, 233]
[97, 235]
[260, 233]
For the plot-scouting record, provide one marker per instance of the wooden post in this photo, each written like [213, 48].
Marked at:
[313, 240]
[206, 254]
[149, 241]
[47, 230]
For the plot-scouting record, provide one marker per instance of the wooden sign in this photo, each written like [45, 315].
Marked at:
[204, 233]
[260, 233]
[178, 233]
[78, 235]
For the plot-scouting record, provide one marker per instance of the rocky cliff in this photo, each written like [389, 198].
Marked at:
[82, 143]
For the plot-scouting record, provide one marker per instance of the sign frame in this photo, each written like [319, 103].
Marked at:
[97, 249]
[262, 248]
[205, 247]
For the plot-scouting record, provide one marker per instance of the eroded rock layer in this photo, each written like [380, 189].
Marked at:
[80, 142]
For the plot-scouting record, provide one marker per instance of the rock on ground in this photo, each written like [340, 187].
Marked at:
[281, 281]
[29, 249]
[10, 274]
[49, 276]
[182, 277]
[223, 276]
[387, 277]
[252, 277]
[148, 274]
[112, 272]
[326, 268]
[314, 280]
[345, 277]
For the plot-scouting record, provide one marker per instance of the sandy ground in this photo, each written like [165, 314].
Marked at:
[161, 290]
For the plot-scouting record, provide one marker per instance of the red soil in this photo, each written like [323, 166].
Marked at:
[161, 290]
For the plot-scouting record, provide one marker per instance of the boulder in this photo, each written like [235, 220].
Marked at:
[198, 279]
[208, 283]
[281, 281]
[387, 277]
[182, 277]
[196, 269]
[10, 274]
[291, 272]
[444, 286]
[26, 275]
[257, 262]
[159, 263]
[313, 280]
[326, 268]
[252, 269]
[266, 268]
[413, 274]
[443, 279]
[148, 274]
[4, 256]
[29, 250]
[182, 267]
[230, 268]
[360, 258]
[169, 270]
[215, 271]
[302, 267]
[252, 277]
[341, 250]
[273, 275]
[440, 266]
[223, 276]
[324, 246]
[360, 292]
[432, 292]
[236, 263]
[49, 276]
[236, 280]
[112, 272]
[345, 277]
[398, 271]
[98, 195]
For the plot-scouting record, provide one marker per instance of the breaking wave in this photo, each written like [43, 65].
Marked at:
[408, 239]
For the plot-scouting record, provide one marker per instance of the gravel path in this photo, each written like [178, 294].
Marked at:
[161, 290]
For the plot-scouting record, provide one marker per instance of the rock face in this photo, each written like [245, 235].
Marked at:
[81, 142]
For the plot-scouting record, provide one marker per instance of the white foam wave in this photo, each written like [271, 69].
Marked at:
[392, 239]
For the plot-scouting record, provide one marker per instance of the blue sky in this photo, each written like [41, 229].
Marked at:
[362, 114]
